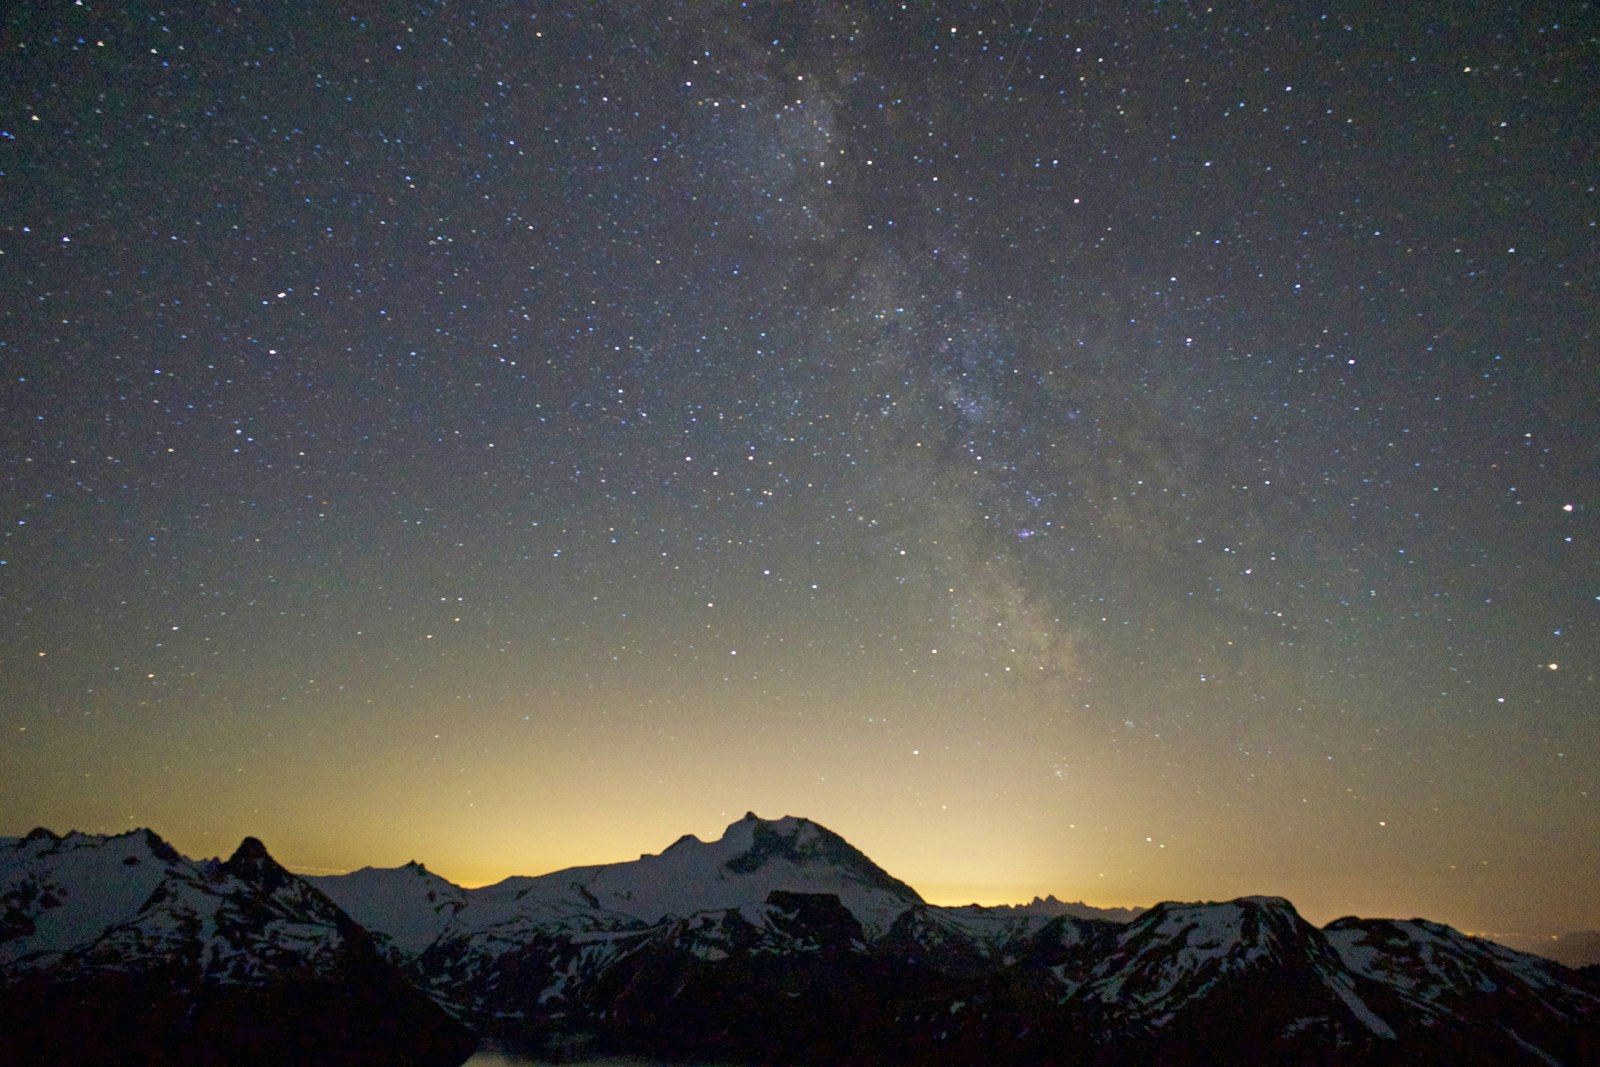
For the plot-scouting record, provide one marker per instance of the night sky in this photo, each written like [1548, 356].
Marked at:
[1129, 452]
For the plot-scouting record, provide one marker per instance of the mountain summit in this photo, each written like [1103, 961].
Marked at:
[795, 843]
[753, 858]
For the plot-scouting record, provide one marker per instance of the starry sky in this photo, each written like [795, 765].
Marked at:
[1129, 452]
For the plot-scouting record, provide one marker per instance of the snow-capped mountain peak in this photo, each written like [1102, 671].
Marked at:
[1176, 957]
[409, 906]
[63, 892]
[753, 858]
[1445, 972]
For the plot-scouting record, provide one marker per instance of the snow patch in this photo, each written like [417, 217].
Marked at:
[1342, 986]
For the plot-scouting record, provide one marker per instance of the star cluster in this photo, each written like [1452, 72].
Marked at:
[1128, 453]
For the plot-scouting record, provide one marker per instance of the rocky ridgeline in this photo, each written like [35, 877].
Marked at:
[117, 950]
[778, 943]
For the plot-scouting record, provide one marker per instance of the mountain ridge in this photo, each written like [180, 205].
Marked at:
[120, 950]
[778, 942]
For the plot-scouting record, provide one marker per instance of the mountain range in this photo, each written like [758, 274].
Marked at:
[777, 943]
[120, 950]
